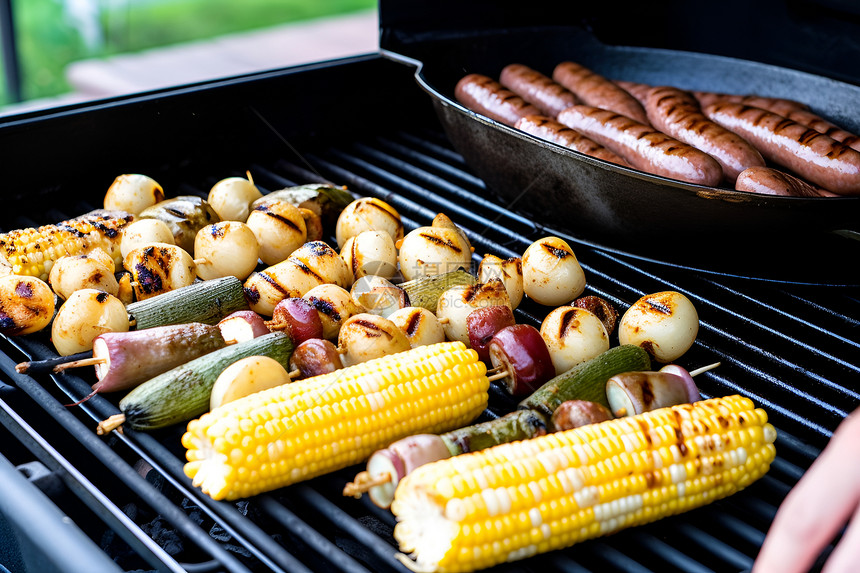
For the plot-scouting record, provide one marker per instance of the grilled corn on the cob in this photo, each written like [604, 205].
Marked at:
[32, 252]
[294, 432]
[516, 500]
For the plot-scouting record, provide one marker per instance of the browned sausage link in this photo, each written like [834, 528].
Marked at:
[637, 90]
[775, 105]
[818, 123]
[812, 155]
[595, 90]
[642, 146]
[678, 114]
[551, 130]
[769, 181]
[485, 95]
[537, 89]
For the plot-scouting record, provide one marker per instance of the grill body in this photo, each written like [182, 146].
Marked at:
[362, 122]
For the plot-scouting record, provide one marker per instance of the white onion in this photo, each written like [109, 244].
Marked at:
[664, 323]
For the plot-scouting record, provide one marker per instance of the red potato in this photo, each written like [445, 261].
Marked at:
[551, 130]
[241, 326]
[522, 355]
[298, 318]
[677, 113]
[483, 324]
[315, 356]
[486, 96]
[812, 155]
[577, 413]
[644, 147]
[595, 90]
[537, 89]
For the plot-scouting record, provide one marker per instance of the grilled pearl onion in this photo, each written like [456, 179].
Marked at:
[73, 273]
[159, 268]
[280, 229]
[429, 251]
[86, 314]
[551, 273]
[365, 336]
[310, 265]
[370, 253]
[378, 295]
[368, 214]
[232, 197]
[457, 302]
[133, 193]
[26, 305]
[334, 305]
[144, 232]
[421, 326]
[665, 324]
[509, 271]
[228, 248]
[573, 335]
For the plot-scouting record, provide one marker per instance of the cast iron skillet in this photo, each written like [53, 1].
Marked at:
[633, 212]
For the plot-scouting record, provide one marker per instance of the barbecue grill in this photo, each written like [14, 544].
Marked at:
[86, 503]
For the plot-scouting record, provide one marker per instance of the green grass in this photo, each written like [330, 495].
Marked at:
[47, 43]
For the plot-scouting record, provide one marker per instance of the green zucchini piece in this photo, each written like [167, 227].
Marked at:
[425, 292]
[183, 393]
[587, 381]
[206, 302]
[324, 199]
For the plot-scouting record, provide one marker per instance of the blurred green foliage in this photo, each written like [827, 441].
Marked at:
[48, 40]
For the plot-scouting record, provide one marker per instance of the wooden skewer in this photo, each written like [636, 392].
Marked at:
[294, 374]
[363, 483]
[200, 261]
[444, 320]
[79, 364]
[499, 376]
[492, 371]
[698, 371]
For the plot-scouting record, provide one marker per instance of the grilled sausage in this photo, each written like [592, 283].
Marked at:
[769, 181]
[488, 97]
[595, 90]
[818, 123]
[642, 146]
[775, 105]
[556, 132]
[537, 89]
[637, 90]
[677, 113]
[812, 155]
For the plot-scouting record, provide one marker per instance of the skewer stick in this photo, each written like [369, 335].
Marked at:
[79, 364]
[200, 261]
[293, 374]
[499, 376]
[698, 371]
[364, 483]
[444, 320]
[492, 371]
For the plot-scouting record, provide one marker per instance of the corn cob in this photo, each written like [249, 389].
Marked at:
[516, 500]
[32, 252]
[295, 432]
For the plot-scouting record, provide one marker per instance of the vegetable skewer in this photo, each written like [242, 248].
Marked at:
[516, 500]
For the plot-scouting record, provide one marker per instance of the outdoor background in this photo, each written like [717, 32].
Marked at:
[53, 33]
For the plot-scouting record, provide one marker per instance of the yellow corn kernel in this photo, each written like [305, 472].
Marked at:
[289, 433]
[579, 484]
[32, 252]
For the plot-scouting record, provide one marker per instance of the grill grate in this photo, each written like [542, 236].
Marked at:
[787, 347]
